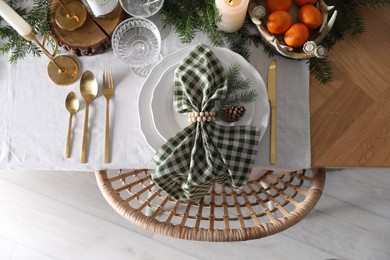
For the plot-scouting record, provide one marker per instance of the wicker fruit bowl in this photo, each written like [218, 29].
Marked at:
[312, 47]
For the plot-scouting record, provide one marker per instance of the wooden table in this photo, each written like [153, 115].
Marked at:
[350, 116]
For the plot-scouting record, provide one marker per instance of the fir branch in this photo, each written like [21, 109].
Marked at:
[186, 30]
[231, 77]
[234, 81]
[321, 69]
[15, 44]
[371, 3]
[233, 72]
[18, 52]
[357, 23]
[237, 89]
[183, 16]
[211, 18]
[243, 97]
[237, 85]
[239, 42]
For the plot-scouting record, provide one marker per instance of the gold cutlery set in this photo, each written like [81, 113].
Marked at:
[89, 90]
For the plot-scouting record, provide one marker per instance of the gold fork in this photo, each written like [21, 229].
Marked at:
[108, 92]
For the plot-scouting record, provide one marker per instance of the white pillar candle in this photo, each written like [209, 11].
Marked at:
[233, 13]
[14, 19]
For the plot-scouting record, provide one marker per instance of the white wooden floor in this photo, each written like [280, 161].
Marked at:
[62, 215]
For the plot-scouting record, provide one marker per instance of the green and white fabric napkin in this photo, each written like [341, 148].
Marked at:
[204, 152]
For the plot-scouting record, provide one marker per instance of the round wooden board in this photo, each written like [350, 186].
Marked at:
[92, 38]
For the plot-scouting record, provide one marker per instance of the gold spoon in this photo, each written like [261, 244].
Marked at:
[88, 89]
[72, 104]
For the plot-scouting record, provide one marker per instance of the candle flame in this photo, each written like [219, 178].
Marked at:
[231, 2]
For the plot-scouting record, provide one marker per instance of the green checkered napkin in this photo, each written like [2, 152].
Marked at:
[203, 152]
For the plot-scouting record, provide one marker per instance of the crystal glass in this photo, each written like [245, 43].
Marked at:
[137, 42]
[147, 9]
[142, 8]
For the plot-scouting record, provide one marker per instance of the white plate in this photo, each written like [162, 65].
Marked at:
[166, 120]
[153, 138]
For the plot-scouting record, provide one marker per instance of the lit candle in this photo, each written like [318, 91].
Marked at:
[14, 19]
[233, 13]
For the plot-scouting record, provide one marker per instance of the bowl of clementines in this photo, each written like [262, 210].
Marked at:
[295, 28]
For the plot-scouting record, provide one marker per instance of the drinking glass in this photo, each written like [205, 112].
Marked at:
[147, 9]
[142, 8]
[137, 42]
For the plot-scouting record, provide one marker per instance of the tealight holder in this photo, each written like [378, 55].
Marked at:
[62, 70]
[70, 15]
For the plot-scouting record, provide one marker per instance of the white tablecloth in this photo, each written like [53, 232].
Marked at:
[34, 120]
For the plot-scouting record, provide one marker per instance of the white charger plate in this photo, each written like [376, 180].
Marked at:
[160, 72]
[166, 120]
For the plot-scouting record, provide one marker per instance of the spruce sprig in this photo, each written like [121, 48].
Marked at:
[187, 29]
[238, 89]
[12, 42]
[320, 69]
[371, 3]
[243, 97]
[211, 16]
[234, 80]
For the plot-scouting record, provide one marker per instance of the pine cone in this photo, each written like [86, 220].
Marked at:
[232, 114]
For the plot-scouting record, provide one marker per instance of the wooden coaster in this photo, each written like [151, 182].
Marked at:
[92, 38]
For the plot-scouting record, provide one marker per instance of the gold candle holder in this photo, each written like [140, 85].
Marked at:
[70, 15]
[62, 70]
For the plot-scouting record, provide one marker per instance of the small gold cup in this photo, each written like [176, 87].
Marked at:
[70, 15]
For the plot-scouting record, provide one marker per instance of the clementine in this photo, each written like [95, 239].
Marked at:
[304, 2]
[310, 16]
[297, 35]
[278, 22]
[278, 5]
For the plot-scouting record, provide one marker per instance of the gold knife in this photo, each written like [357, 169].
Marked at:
[272, 101]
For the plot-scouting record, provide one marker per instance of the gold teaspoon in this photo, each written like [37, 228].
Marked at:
[72, 104]
[88, 89]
